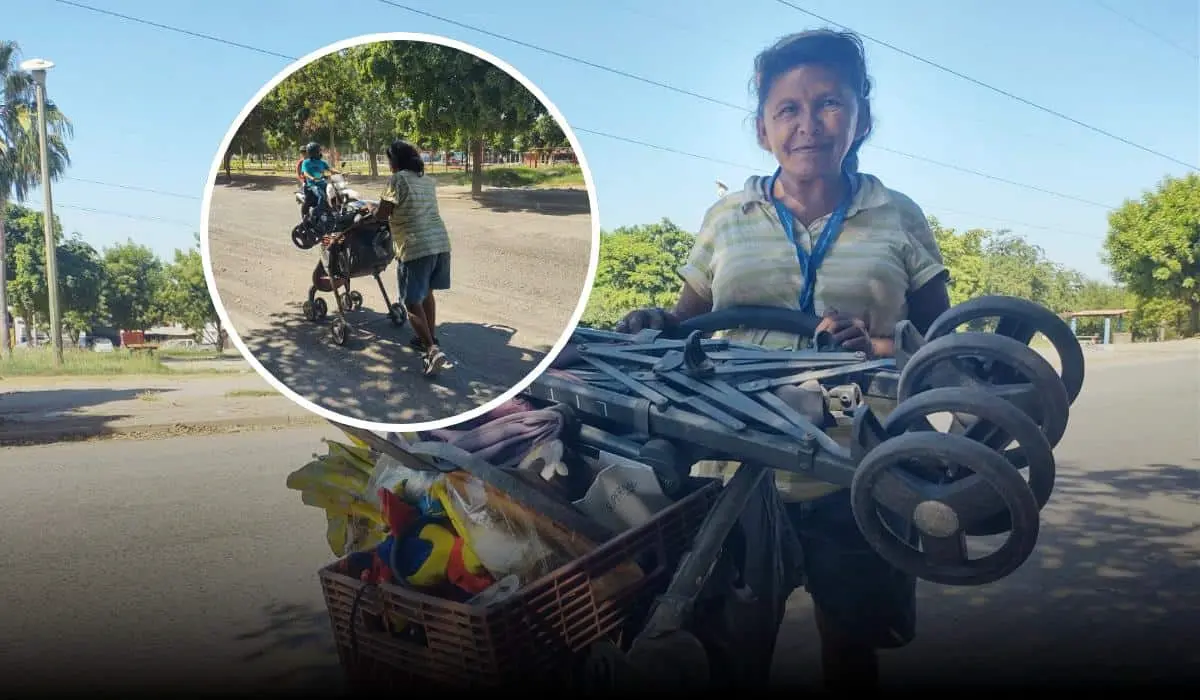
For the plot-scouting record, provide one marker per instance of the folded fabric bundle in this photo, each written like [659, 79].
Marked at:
[505, 441]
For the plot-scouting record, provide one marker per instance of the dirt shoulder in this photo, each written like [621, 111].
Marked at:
[40, 410]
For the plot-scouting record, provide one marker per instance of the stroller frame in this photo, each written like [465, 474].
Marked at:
[333, 274]
[629, 411]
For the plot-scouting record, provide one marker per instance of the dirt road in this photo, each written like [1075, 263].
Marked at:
[519, 264]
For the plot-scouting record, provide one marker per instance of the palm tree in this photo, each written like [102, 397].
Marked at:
[20, 154]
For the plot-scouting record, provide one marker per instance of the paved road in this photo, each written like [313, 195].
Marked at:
[182, 560]
[187, 559]
[1114, 586]
[520, 261]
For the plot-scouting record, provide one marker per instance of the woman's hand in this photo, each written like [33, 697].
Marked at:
[657, 319]
[849, 332]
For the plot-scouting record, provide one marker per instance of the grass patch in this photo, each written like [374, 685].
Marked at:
[518, 176]
[39, 362]
[245, 393]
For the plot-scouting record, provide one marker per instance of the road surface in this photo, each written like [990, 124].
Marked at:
[520, 261]
[187, 560]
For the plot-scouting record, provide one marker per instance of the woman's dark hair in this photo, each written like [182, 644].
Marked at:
[404, 156]
[840, 52]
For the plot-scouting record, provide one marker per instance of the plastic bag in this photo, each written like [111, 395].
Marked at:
[410, 484]
[511, 540]
[503, 536]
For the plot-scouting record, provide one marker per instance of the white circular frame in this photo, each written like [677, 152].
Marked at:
[593, 258]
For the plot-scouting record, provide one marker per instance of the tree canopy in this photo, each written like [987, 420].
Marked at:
[436, 97]
[638, 263]
[1153, 248]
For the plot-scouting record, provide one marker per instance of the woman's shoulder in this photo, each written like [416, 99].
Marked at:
[894, 204]
[734, 204]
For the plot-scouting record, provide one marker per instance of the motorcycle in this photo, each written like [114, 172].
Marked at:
[342, 204]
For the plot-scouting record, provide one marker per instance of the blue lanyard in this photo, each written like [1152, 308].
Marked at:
[809, 262]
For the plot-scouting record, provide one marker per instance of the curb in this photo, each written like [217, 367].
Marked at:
[66, 432]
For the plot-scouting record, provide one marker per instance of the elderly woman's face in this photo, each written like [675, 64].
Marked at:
[808, 122]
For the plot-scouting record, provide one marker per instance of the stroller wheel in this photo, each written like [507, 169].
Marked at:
[301, 238]
[321, 309]
[339, 330]
[397, 315]
[356, 300]
[310, 313]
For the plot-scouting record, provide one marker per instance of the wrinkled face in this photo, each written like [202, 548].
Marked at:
[809, 121]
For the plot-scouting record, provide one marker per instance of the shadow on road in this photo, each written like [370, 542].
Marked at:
[297, 640]
[254, 183]
[377, 376]
[555, 202]
[26, 414]
[1112, 592]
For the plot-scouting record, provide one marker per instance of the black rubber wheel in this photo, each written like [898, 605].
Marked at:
[339, 331]
[930, 508]
[1020, 319]
[321, 308]
[398, 315]
[356, 300]
[347, 302]
[302, 239]
[1054, 406]
[310, 313]
[1034, 450]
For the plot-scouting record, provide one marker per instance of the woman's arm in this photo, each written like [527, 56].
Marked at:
[928, 302]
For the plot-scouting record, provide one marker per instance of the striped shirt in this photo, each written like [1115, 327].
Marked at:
[416, 225]
[742, 256]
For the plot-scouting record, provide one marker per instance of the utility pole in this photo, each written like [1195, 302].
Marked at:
[38, 67]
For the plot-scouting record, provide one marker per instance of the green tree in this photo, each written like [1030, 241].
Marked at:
[80, 278]
[453, 93]
[133, 278]
[184, 296]
[20, 152]
[1153, 248]
[25, 264]
[637, 269]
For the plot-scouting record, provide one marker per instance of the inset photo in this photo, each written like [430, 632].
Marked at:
[400, 231]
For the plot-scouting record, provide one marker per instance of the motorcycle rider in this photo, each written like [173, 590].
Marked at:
[313, 170]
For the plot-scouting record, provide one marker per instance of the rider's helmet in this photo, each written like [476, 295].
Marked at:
[313, 150]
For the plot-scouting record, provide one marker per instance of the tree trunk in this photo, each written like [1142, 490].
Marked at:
[476, 167]
[6, 332]
[373, 156]
[1194, 317]
[226, 162]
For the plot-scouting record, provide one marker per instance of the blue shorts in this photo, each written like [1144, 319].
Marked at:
[863, 595]
[418, 277]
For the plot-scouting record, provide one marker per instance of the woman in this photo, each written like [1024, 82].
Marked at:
[871, 261]
[409, 203]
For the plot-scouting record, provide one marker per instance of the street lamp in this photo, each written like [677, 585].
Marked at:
[38, 67]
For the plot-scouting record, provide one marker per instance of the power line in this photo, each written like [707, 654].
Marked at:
[988, 86]
[177, 30]
[617, 72]
[713, 100]
[628, 75]
[1146, 29]
[134, 188]
[106, 212]
[567, 57]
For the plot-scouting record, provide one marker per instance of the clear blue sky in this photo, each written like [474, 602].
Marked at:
[150, 106]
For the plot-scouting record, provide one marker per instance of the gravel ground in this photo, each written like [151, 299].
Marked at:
[519, 265]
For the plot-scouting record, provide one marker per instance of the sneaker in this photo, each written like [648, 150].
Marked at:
[416, 344]
[435, 361]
